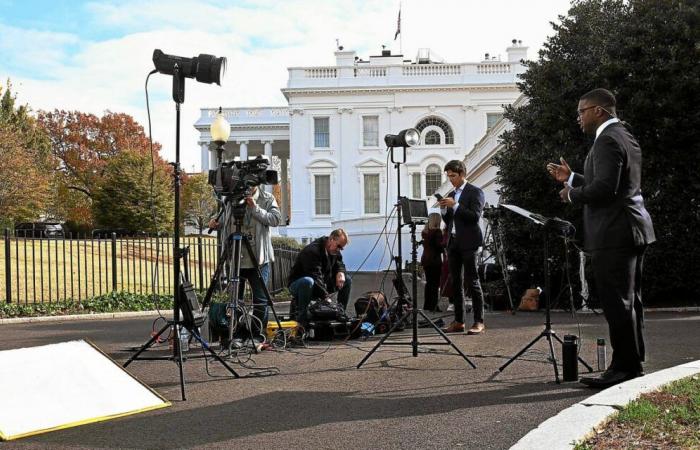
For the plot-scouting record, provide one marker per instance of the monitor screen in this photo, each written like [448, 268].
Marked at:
[414, 210]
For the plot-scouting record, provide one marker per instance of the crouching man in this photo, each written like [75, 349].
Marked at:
[318, 272]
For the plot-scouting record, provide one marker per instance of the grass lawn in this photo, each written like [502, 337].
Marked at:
[664, 419]
[48, 270]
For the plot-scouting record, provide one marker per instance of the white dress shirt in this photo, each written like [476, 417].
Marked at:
[598, 130]
[458, 194]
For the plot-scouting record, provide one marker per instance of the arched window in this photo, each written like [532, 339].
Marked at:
[433, 179]
[432, 137]
[438, 122]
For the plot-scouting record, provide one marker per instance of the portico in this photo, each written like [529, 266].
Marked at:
[254, 132]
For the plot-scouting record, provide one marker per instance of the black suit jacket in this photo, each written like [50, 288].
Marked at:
[465, 222]
[610, 190]
[313, 261]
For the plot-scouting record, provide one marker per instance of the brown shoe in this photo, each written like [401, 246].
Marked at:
[477, 328]
[454, 327]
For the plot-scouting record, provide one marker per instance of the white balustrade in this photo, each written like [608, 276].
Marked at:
[432, 70]
[321, 72]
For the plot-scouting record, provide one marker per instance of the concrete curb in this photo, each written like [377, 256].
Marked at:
[168, 313]
[100, 316]
[78, 317]
[580, 420]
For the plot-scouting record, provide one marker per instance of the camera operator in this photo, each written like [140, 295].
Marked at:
[261, 213]
[318, 272]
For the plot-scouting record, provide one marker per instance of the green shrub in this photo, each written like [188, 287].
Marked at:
[646, 53]
[112, 302]
[286, 242]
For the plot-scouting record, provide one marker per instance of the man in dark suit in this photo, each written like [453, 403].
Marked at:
[617, 228]
[461, 211]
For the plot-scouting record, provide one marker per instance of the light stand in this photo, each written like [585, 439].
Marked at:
[550, 226]
[176, 324]
[404, 140]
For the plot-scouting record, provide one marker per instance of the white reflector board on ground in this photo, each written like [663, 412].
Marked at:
[64, 385]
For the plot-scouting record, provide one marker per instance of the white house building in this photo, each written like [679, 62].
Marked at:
[331, 137]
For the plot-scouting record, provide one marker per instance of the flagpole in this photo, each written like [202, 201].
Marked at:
[400, 34]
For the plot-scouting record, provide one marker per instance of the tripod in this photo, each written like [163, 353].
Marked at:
[549, 226]
[177, 323]
[493, 235]
[412, 310]
[231, 254]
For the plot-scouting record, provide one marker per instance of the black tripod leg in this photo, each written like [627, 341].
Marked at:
[526, 348]
[268, 296]
[384, 338]
[206, 346]
[554, 358]
[147, 345]
[179, 360]
[215, 277]
[590, 369]
[446, 338]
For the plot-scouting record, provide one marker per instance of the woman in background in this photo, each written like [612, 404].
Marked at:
[431, 260]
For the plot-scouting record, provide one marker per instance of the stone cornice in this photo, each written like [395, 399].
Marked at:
[252, 126]
[384, 89]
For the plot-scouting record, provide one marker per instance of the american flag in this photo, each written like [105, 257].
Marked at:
[398, 25]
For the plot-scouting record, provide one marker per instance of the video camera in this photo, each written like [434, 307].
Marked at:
[235, 178]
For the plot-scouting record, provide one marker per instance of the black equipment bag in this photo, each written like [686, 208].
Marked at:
[371, 307]
[192, 317]
[326, 311]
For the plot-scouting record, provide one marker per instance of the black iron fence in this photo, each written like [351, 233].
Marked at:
[40, 269]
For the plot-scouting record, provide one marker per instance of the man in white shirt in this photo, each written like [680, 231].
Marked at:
[461, 211]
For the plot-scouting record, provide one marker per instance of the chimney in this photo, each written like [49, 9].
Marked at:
[516, 51]
[344, 57]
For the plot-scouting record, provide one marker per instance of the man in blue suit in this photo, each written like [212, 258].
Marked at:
[461, 211]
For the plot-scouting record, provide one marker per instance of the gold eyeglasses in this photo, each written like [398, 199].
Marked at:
[583, 110]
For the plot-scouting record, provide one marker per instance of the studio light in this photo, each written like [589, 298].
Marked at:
[204, 68]
[406, 138]
[220, 131]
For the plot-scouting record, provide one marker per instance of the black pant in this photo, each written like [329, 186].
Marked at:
[459, 259]
[432, 287]
[618, 278]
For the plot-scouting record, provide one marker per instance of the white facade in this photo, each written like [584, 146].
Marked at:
[338, 117]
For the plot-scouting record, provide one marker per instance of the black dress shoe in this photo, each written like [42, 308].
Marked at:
[610, 377]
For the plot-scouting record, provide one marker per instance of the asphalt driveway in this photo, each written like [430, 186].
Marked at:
[315, 397]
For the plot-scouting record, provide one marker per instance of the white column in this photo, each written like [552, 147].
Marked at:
[284, 187]
[204, 157]
[268, 155]
[213, 164]
[243, 154]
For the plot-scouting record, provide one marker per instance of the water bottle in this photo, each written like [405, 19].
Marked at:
[570, 358]
[600, 347]
[184, 339]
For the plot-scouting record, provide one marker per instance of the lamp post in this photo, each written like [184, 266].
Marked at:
[220, 131]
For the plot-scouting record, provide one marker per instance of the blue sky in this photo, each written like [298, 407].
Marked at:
[93, 56]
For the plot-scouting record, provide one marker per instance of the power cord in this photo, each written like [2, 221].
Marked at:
[154, 269]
